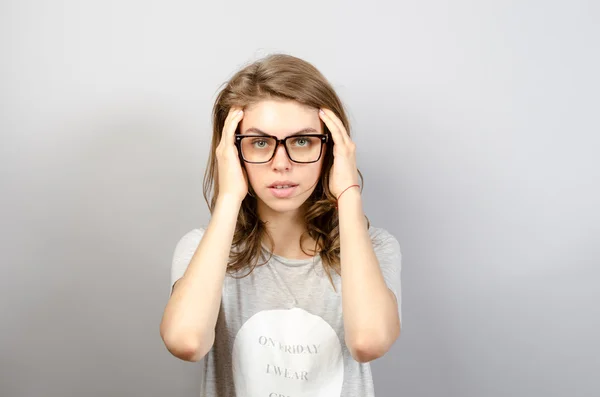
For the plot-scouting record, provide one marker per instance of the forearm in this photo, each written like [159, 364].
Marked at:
[191, 313]
[369, 307]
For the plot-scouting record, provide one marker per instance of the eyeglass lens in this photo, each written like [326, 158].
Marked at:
[300, 148]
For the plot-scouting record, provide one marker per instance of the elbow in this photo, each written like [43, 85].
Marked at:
[364, 352]
[369, 347]
[187, 346]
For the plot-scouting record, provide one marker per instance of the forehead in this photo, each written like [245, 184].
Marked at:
[280, 117]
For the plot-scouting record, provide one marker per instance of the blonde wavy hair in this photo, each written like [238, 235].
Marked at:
[279, 76]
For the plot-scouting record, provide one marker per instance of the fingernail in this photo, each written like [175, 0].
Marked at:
[321, 111]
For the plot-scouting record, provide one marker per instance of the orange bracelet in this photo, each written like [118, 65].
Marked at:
[338, 199]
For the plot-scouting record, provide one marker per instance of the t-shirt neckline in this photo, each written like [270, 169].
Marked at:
[290, 261]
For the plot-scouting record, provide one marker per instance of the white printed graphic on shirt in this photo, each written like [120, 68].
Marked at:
[287, 353]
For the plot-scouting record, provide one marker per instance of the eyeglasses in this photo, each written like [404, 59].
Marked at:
[299, 148]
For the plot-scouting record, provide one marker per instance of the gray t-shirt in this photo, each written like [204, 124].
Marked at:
[280, 331]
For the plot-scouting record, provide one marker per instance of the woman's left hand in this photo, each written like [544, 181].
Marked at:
[344, 172]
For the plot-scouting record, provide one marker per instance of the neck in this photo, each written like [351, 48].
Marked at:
[286, 228]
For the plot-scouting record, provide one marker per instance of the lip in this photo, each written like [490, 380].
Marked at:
[283, 193]
[280, 183]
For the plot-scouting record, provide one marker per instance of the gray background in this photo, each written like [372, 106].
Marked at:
[477, 131]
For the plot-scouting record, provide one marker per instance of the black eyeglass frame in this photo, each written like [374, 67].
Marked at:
[238, 143]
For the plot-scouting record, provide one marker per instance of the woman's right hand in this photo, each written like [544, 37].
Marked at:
[232, 177]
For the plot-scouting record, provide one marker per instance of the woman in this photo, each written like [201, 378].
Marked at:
[259, 293]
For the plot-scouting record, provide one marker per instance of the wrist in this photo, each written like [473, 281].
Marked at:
[229, 200]
[352, 190]
[350, 209]
[355, 188]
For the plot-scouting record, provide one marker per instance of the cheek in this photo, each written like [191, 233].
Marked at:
[254, 174]
[314, 171]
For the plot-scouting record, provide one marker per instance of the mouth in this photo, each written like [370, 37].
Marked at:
[282, 184]
[282, 191]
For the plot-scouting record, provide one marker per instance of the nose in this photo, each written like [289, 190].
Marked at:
[280, 159]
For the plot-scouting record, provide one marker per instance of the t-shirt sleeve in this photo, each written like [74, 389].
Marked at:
[184, 251]
[388, 253]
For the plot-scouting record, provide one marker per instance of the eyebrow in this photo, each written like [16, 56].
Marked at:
[302, 131]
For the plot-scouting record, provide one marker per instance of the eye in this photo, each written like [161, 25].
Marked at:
[298, 141]
[259, 142]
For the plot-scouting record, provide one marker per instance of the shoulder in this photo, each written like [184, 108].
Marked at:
[194, 233]
[380, 235]
[383, 240]
[190, 240]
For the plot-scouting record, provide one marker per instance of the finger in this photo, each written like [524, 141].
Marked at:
[339, 127]
[339, 123]
[234, 122]
[337, 136]
[232, 112]
[231, 123]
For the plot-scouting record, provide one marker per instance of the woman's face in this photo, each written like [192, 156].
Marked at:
[281, 118]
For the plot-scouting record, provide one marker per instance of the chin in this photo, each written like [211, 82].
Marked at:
[283, 205]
